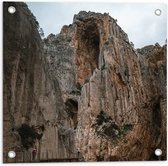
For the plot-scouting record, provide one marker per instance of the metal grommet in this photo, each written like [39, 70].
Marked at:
[11, 9]
[158, 152]
[158, 12]
[11, 154]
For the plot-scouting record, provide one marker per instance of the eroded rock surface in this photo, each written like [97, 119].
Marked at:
[33, 102]
[86, 90]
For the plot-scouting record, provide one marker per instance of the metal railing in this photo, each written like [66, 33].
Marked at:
[27, 157]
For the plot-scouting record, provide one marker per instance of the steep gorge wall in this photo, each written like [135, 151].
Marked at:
[31, 95]
[87, 87]
[110, 79]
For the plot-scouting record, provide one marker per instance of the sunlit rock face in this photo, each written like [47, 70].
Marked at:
[85, 92]
[119, 90]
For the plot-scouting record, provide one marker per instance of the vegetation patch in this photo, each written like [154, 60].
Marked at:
[107, 128]
[28, 135]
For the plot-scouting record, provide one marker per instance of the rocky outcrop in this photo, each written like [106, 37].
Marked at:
[83, 91]
[112, 79]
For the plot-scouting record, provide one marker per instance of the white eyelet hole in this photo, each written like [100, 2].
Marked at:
[158, 152]
[158, 12]
[11, 9]
[11, 154]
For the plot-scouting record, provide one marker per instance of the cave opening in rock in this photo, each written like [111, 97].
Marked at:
[72, 110]
[88, 50]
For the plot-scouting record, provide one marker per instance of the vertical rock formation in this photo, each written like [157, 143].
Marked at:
[110, 80]
[85, 90]
[33, 104]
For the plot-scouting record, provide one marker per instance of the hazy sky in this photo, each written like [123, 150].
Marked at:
[138, 20]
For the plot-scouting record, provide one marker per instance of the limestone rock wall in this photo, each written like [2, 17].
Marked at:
[120, 88]
[104, 73]
[31, 95]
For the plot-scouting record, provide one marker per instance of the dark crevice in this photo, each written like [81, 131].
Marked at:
[88, 50]
[157, 124]
[156, 119]
[72, 110]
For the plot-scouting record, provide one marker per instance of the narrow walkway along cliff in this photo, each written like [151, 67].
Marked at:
[85, 94]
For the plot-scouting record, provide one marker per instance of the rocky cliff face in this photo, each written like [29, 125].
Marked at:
[33, 101]
[85, 92]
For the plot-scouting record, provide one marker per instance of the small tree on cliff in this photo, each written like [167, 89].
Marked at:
[41, 32]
